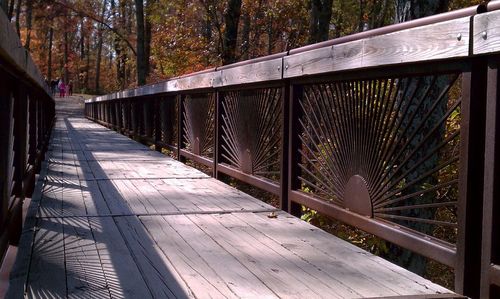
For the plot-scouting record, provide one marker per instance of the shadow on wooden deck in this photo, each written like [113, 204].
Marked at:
[112, 219]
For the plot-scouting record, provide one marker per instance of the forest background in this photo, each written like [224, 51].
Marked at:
[108, 45]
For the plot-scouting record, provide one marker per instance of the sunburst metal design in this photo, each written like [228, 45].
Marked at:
[168, 121]
[199, 124]
[385, 148]
[251, 131]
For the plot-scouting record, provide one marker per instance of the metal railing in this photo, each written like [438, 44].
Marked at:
[26, 118]
[394, 131]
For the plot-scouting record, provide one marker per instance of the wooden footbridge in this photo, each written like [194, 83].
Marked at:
[393, 131]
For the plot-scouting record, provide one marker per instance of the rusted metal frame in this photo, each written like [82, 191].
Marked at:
[180, 121]
[285, 145]
[183, 153]
[6, 151]
[256, 181]
[217, 131]
[32, 156]
[20, 161]
[6, 143]
[471, 171]
[427, 246]
[387, 72]
[259, 182]
[157, 123]
[119, 116]
[295, 113]
[491, 203]
[133, 118]
[148, 118]
[197, 158]
[164, 118]
[445, 256]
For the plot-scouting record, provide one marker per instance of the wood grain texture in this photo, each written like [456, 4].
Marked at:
[448, 39]
[196, 81]
[251, 73]
[486, 35]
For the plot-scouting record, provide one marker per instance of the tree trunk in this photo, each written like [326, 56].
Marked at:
[18, 15]
[231, 20]
[319, 23]
[147, 35]
[99, 51]
[141, 65]
[405, 11]
[49, 60]
[245, 36]
[87, 65]
[5, 6]
[82, 39]
[270, 35]
[29, 24]
[361, 21]
[10, 14]
[413, 9]
[66, 54]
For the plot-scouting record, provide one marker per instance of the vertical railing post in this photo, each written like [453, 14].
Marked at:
[133, 117]
[217, 131]
[158, 111]
[6, 146]
[32, 144]
[491, 203]
[20, 161]
[284, 166]
[295, 93]
[470, 207]
[180, 120]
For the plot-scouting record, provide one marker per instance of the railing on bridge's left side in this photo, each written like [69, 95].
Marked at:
[391, 131]
[26, 118]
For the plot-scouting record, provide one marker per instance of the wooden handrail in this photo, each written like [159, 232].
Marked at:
[26, 117]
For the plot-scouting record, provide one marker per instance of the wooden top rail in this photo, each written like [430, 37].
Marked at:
[15, 58]
[458, 34]
[26, 117]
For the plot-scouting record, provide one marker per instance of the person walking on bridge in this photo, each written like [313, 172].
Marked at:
[62, 88]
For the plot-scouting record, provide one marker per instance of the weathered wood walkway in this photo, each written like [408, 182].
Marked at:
[111, 218]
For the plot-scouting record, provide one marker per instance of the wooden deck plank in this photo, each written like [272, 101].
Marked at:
[94, 201]
[160, 276]
[84, 271]
[115, 219]
[324, 285]
[202, 279]
[47, 257]
[305, 240]
[259, 260]
[160, 169]
[123, 278]
[238, 278]
[51, 203]
[19, 275]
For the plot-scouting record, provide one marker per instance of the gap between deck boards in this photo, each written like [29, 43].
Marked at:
[217, 212]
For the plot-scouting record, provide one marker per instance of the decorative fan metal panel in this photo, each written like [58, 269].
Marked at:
[251, 131]
[199, 124]
[168, 121]
[385, 148]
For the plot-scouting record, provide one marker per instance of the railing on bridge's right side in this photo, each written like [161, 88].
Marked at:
[393, 131]
[26, 117]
